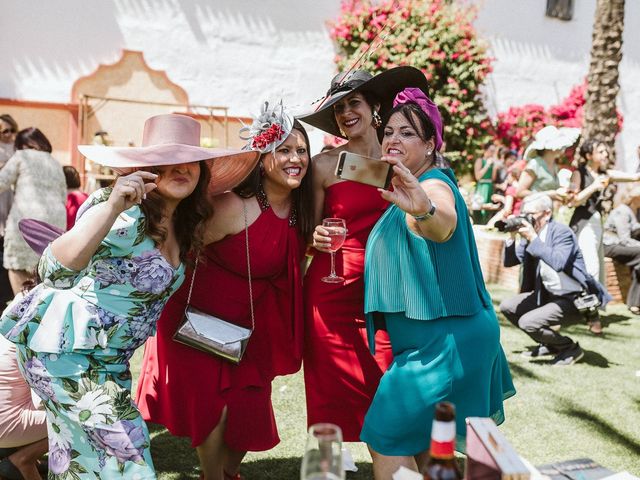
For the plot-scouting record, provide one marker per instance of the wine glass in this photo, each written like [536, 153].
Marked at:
[337, 232]
[323, 453]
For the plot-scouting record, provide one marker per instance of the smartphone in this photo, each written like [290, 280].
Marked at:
[359, 168]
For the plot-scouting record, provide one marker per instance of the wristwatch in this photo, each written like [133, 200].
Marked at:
[428, 215]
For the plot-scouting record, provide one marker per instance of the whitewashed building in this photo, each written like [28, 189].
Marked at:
[234, 54]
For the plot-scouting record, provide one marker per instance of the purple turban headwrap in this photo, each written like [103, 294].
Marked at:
[417, 96]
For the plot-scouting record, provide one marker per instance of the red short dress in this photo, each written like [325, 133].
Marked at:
[341, 376]
[185, 389]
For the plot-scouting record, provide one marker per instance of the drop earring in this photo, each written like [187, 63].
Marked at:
[261, 168]
[377, 121]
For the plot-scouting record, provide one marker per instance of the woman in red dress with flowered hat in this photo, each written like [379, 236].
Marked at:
[341, 375]
[226, 409]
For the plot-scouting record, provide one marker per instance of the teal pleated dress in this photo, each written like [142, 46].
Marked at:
[443, 329]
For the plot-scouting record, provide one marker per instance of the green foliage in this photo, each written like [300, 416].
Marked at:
[436, 37]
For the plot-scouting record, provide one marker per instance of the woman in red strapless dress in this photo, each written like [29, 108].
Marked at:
[226, 409]
[341, 376]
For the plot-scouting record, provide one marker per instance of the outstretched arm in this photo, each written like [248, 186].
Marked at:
[417, 198]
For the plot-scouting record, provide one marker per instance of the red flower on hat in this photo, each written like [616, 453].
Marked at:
[270, 135]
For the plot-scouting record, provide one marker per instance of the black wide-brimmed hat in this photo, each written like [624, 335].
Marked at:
[383, 86]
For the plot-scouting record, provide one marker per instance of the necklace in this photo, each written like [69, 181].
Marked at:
[261, 196]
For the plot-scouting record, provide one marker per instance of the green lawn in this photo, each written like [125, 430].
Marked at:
[591, 409]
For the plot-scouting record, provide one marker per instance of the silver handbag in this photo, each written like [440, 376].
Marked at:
[212, 334]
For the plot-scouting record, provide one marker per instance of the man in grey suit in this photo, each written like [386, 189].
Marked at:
[554, 275]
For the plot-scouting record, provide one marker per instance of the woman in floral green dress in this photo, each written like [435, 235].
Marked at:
[105, 283]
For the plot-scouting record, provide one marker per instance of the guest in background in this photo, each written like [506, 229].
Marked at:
[588, 181]
[101, 137]
[510, 201]
[23, 420]
[506, 158]
[622, 241]
[23, 423]
[541, 172]
[554, 274]
[75, 197]
[8, 130]
[485, 171]
[420, 255]
[39, 192]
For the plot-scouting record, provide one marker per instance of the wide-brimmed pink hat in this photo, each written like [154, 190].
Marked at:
[173, 139]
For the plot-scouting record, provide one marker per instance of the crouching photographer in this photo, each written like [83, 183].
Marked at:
[556, 289]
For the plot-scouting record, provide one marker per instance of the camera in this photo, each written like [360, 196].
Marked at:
[588, 304]
[514, 224]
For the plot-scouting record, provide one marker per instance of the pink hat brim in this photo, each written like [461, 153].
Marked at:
[228, 167]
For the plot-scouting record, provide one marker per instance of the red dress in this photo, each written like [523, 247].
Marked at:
[74, 200]
[185, 389]
[341, 376]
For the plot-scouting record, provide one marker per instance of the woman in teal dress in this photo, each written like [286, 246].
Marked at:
[423, 282]
[104, 284]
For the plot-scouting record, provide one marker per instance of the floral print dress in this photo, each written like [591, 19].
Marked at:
[75, 334]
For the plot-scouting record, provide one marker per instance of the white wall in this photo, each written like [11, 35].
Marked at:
[223, 52]
[539, 59]
[237, 52]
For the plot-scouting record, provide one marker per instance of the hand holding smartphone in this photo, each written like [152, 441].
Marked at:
[359, 168]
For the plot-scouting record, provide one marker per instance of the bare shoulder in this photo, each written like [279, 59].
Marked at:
[226, 201]
[226, 206]
[324, 165]
[326, 160]
[227, 218]
[431, 183]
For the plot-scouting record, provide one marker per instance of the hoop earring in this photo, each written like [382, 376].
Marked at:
[377, 121]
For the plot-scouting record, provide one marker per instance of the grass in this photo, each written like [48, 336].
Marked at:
[591, 409]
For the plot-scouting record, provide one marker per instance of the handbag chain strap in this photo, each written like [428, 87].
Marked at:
[246, 242]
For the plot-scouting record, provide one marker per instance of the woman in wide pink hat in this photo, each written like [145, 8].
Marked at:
[105, 283]
[226, 409]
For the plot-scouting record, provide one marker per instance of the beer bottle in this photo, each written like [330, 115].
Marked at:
[442, 464]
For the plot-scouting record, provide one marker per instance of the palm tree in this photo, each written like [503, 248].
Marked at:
[600, 118]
